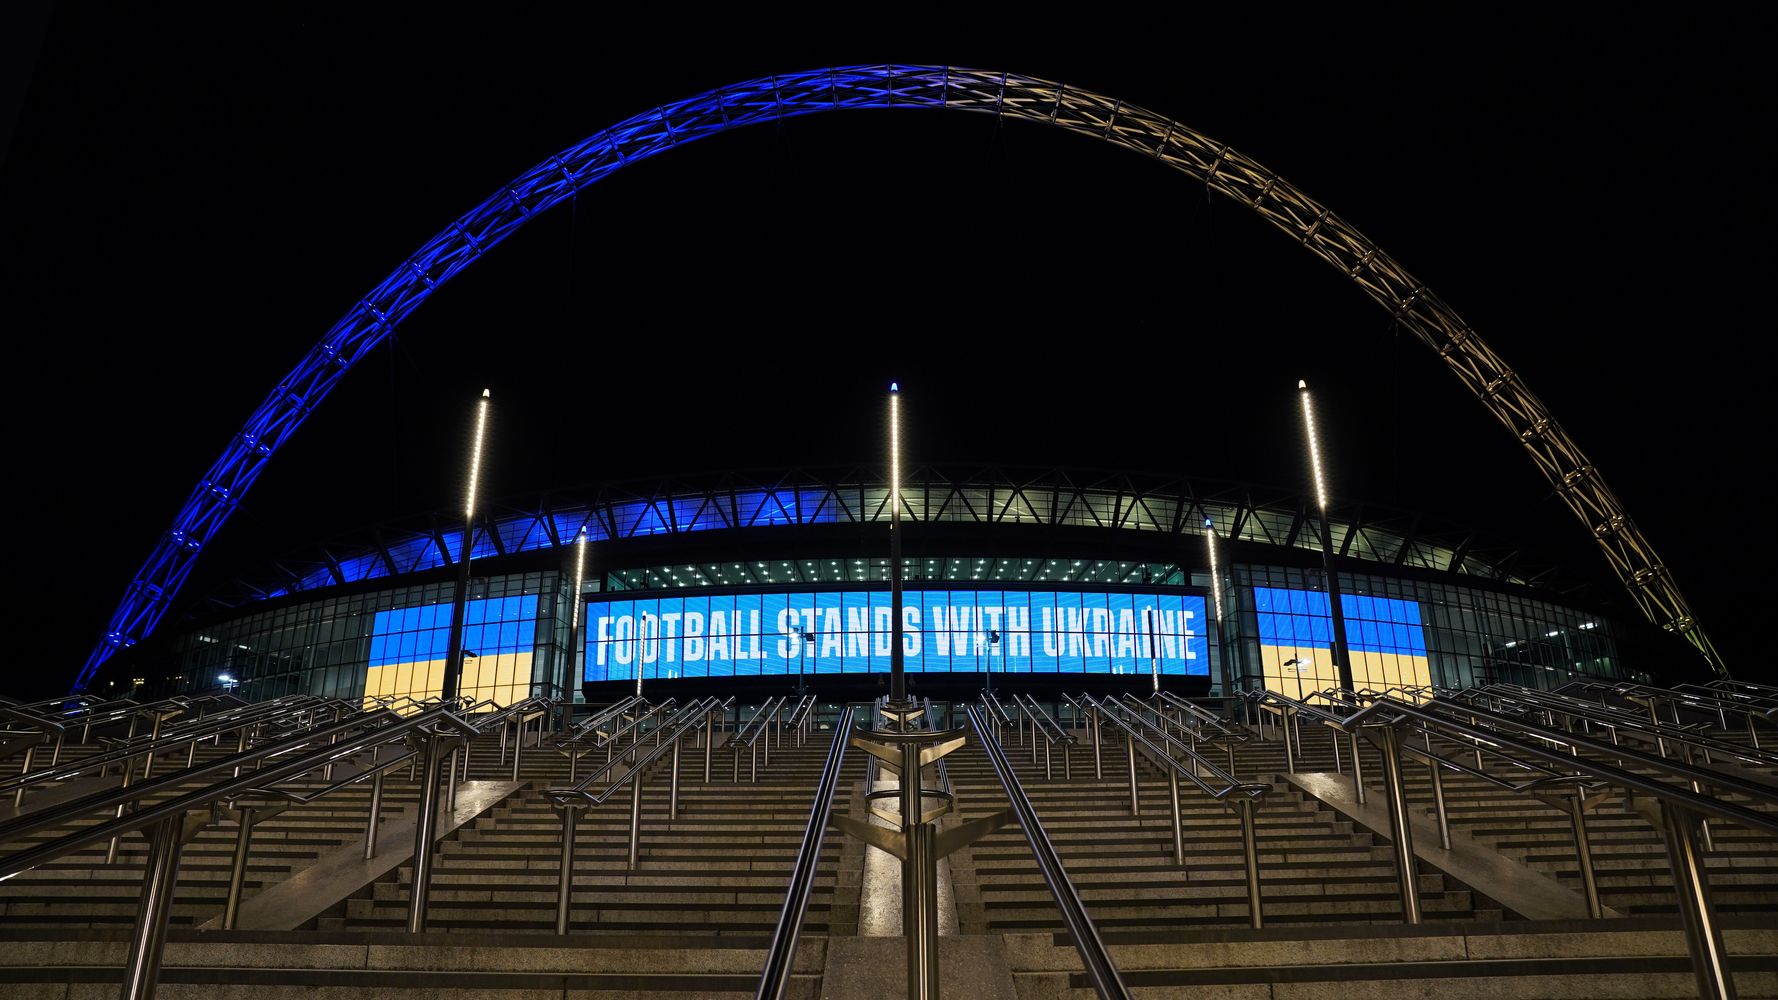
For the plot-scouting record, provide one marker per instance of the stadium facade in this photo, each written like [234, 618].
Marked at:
[1040, 575]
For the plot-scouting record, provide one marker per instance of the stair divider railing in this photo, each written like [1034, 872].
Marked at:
[1754, 705]
[175, 820]
[1242, 798]
[774, 978]
[1567, 710]
[583, 737]
[1764, 695]
[1042, 723]
[634, 725]
[1676, 809]
[1199, 726]
[1277, 706]
[124, 753]
[1557, 707]
[997, 714]
[1754, 714]
[1094, 956]
[571, 801]
[747, 738]
[801, 717]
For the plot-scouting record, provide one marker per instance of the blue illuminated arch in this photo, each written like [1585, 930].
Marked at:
[772, 98]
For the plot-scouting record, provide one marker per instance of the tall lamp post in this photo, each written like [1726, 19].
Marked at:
[573, 631]
[1228, 669]
[453, 677]
[898, 681]
[1342, 660]
[805, 640]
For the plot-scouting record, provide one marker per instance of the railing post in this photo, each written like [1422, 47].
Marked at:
[1357, 769]
[142, 970]
[1098, 736]
[919, 882]
[1250, 855]
[1401, 832]
[1583, 851]
[231, 909]
[1178, 831]
[1135, 797]
[635, 816]
[565, 883]
[376, 812]
[673, 787]
[1283, 728]
[1336, 750]
[1438, 794]
[518, 745]
[425, 823]
[18, 797]
[1710, 962]
[709, 742]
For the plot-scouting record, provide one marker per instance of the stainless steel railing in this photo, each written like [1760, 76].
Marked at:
[747, 738]
[1094, 956]
[1221, 786]
[1053, 733]
[774, 978]
[1669, 787]
[570, 801]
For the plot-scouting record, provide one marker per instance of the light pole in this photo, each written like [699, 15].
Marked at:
[898, 682]
[1228, 670]
[453, 677]
[573, 631]
[1342, 660]
[807, 640]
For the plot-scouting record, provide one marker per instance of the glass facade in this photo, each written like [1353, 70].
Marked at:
[390, 642]
[1401, 631]
[1406, 632]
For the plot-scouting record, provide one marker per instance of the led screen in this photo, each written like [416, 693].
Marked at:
[408, 648]
[1385, 636]
[850, 632]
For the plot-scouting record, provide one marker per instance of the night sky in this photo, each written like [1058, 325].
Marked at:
[189, 201]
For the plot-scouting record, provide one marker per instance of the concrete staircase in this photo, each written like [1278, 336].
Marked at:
[1315, 867]
[720, 868]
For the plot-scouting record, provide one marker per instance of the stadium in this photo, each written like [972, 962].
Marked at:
[860, 730]
[785, 574]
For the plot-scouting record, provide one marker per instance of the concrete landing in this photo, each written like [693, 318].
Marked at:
[1523, 890]
[970, 967]
[343, 871]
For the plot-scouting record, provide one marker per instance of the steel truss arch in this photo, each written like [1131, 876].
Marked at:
[1216, 165]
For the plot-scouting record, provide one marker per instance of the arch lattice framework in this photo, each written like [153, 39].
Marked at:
[1214, 164]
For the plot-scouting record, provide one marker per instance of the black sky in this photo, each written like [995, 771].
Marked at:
[191, 199]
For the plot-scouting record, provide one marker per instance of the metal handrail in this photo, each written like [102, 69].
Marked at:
[1204, 717]
[1232, 786]
[568, 800]
[755, 725]
[1052, 732]
[774, 978]
[680, 716]
[680, 723]
[1094, 956]
[1161, 724]
[1617, 719]
[1719, 703]
[747, 738]
[127, 751]
[228, 788]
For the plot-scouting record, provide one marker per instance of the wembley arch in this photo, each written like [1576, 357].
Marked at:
[1219, 168]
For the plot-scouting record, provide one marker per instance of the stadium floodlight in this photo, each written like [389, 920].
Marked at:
[1342, 658]
[453, 674]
